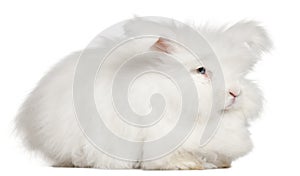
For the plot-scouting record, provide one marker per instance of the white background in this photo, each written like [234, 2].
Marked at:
[34, 35]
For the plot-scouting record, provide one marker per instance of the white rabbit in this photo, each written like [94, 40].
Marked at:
[47, 123]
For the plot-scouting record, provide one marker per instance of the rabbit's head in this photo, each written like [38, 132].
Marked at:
[237, 48]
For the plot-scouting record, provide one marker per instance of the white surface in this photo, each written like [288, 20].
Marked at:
[34, 35]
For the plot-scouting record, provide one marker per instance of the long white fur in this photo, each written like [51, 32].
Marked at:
[47, 124]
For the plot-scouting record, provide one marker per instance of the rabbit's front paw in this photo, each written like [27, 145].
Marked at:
[187, 165]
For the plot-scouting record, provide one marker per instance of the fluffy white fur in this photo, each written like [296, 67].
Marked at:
[48, 125]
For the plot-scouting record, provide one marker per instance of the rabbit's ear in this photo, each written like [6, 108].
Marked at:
[163, 45]
[251, 34]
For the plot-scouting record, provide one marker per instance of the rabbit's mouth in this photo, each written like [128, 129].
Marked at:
[230, 104]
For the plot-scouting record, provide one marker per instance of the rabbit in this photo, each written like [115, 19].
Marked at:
[47, 123]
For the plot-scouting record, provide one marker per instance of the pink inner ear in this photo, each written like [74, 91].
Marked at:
[162, 45]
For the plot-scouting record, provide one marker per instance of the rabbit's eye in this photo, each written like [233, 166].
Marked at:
[202, 70]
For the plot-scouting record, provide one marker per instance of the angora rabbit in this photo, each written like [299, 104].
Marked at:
[47, 121]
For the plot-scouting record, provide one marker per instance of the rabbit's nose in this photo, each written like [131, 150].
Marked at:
[234, 93]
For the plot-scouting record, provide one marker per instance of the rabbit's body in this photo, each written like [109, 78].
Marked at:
[48, 125]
